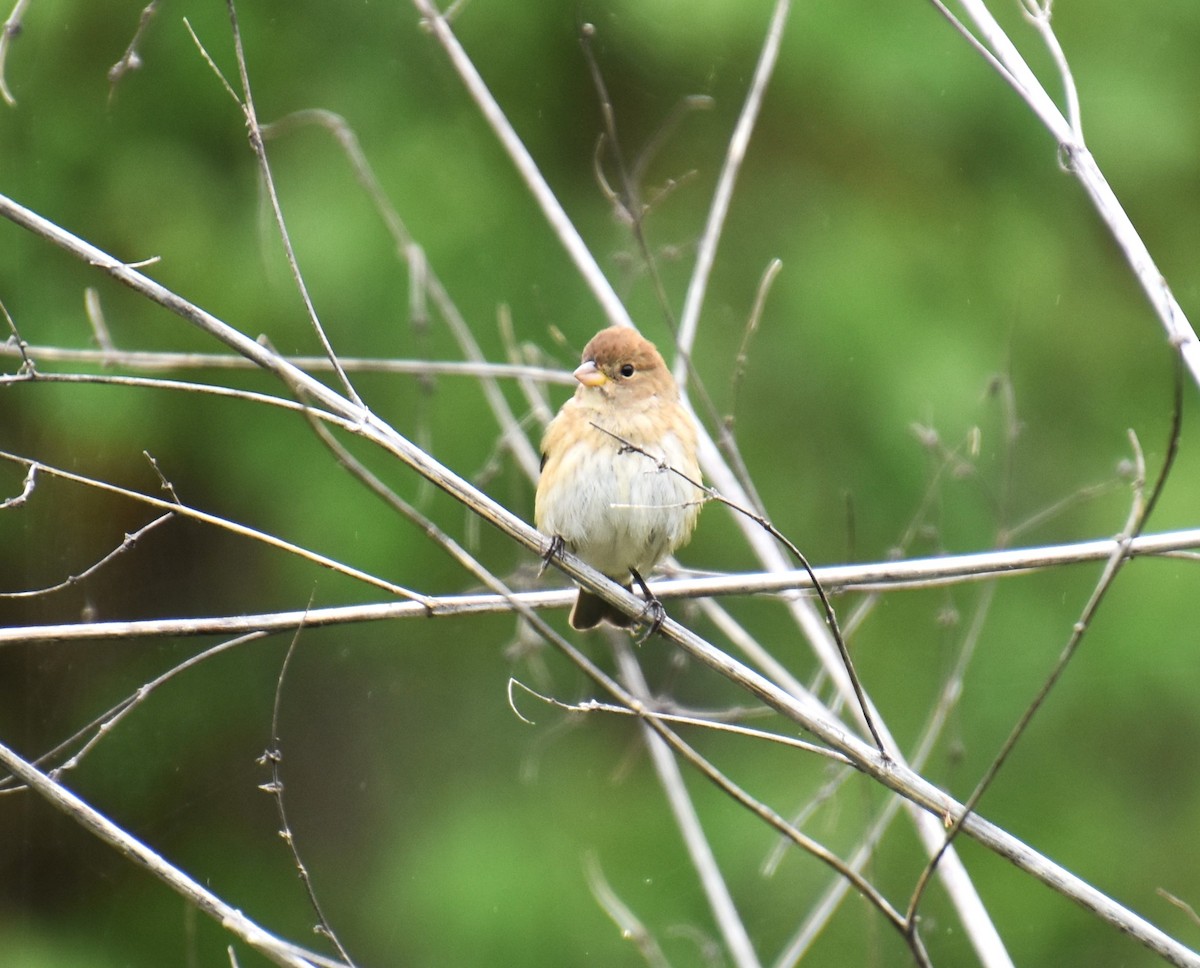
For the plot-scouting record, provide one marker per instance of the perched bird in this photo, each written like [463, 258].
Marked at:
[618, 508]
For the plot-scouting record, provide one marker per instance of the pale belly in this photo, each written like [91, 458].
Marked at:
[621, 511]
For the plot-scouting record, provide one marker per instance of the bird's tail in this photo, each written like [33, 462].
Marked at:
[589, 611]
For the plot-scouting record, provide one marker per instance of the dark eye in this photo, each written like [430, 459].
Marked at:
[627, 370]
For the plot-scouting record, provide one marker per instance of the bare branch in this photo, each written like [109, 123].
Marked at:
[880, 577]
[154, 361]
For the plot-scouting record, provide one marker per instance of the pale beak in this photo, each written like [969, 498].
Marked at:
[589, 375]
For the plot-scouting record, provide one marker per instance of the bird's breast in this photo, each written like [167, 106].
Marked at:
[615, 507]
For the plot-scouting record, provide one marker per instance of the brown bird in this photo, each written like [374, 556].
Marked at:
[618, 508]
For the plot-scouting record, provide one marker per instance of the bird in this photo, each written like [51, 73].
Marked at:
[620, 485]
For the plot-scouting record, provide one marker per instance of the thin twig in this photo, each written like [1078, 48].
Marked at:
[11, 29]
[632, 928]
[1038, 14]
[126, 544]
[183, 386]
[272, 758]
[95, 314]
[131, 60]
[743, 353]
[675, 719]
[1181, 904]
[223, 523]
[518, 355]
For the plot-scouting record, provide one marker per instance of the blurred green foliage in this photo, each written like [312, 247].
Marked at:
[934, 256]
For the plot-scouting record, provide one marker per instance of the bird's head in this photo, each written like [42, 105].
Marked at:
[623, 364]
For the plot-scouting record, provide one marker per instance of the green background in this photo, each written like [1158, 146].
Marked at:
[934, 256]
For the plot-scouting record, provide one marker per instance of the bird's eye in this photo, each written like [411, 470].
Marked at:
[627, 370]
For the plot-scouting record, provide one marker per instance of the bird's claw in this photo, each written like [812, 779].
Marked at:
[653, 607]
[553, 550]
[657, 614]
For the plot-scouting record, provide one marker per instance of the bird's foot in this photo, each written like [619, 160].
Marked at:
[653, 609]
[657, 615]
[553, 550]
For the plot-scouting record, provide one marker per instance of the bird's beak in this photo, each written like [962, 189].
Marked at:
[590, 375]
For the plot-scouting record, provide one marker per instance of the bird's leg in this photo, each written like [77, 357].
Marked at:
[654, 607]
[554, 549]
